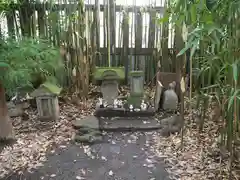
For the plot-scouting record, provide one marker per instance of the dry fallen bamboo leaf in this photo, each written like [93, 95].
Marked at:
[199, 159]
[35, 139]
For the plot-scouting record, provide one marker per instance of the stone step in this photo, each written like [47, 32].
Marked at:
[166, 124]
[120, 112]
[129, 124]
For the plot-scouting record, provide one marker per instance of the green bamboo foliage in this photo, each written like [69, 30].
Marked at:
[58, 21]
[213, 34]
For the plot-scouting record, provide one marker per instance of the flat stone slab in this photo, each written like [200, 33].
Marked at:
[129, 124]
[90, 122]
[120, 112]
[165, 125]
[88, 138]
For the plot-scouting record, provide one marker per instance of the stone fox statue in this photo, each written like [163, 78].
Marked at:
[170, 98]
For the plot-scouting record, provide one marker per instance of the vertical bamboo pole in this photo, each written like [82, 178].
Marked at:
[108, 34]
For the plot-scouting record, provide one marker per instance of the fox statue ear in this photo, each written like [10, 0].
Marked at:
[174, 84]
[171, 86]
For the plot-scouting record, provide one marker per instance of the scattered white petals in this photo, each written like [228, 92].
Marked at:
[53, 175]
[110, 173]
[104, 158]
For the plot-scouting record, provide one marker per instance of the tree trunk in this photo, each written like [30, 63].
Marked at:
[6, 129]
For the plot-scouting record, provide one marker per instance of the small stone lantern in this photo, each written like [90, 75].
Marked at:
[47, 101]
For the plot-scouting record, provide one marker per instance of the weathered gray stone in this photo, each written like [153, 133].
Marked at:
[164, 132]
[15, 110]
[170, 98]
[87, 138]
[129, 124]
[90, 122]
[137, 83]
[93, 132]
[171, 125]
[109, 90]
[48, 108]
[175, 129]
[87, 130]
[173, 120]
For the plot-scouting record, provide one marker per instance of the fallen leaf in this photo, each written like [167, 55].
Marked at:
[53, 175]
[80, 178]
[110, 173]
[103, 158]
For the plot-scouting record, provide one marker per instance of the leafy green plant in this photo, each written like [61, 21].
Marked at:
[25, 59]
[19, 61]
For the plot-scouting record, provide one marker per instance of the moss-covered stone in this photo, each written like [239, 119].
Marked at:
[90, 122]
[46, 88]
[135, 101]
[136, 73]
[52, 88]
[116, 73]
[87, 138]
[89, 131]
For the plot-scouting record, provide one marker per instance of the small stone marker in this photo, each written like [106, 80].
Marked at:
[136, 89]
[137, 82]
[47, 101]
[109, 89]
[170, 98]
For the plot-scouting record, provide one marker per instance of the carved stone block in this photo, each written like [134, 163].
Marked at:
[48, 107]
[109, 90]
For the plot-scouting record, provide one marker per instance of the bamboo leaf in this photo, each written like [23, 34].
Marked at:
[193, 14]
[235, 72]
[183, 50]
[192, 44]
[4, 65]
[193, 50]
[211, 86]
[215, 37]
[230, 102]
[164, 19]
[179, 4]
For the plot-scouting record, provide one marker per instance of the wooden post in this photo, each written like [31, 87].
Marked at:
[151, 39]
[113, 30]
[125, 27]
[138, 39]
[180, 78]
[6, 129]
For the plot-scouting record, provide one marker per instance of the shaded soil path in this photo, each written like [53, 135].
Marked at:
[122, 156]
